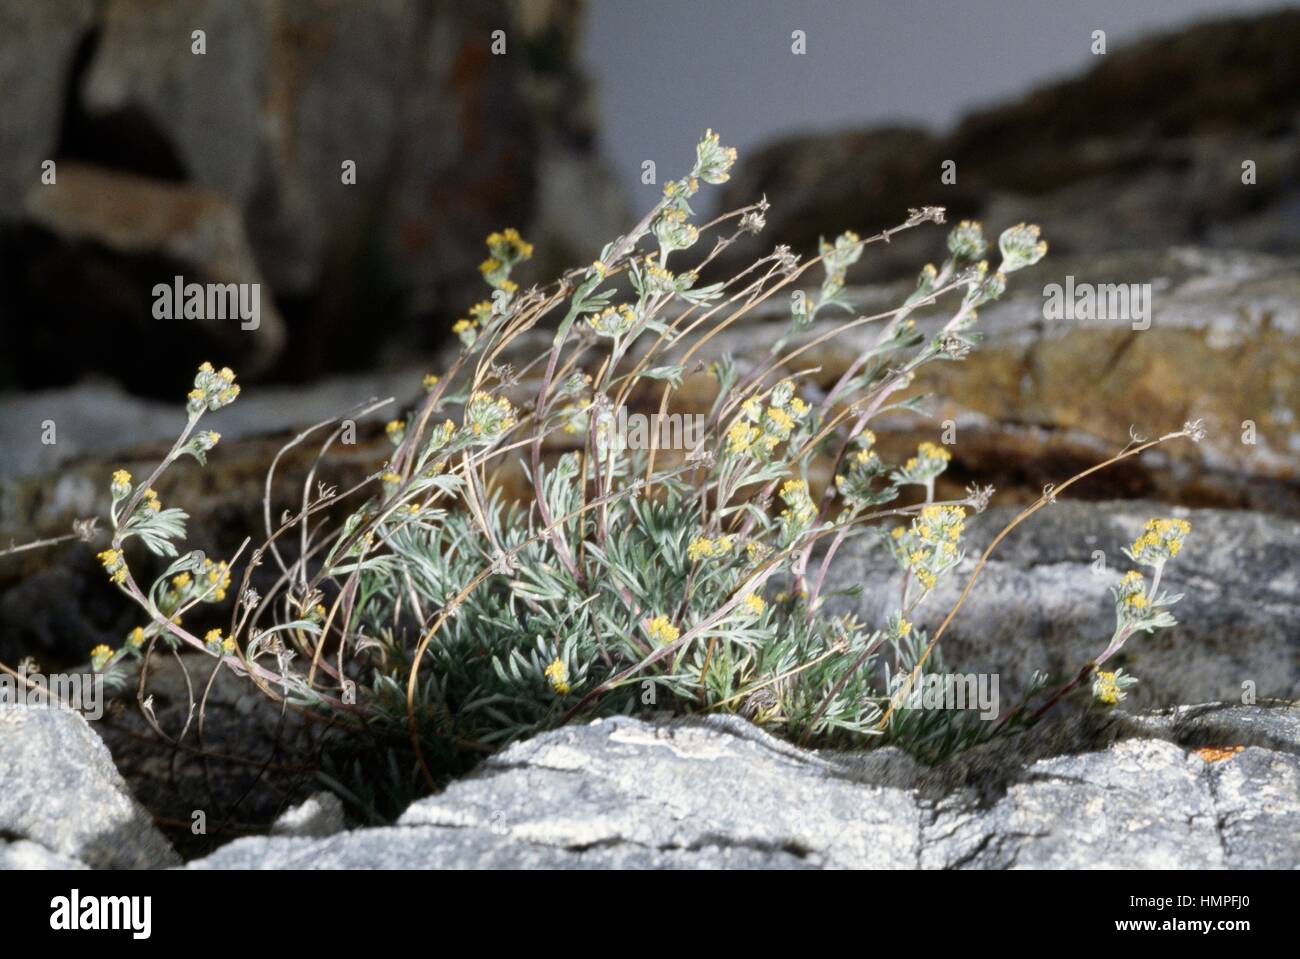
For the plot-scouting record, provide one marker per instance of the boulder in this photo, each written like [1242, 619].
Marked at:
[63, 794]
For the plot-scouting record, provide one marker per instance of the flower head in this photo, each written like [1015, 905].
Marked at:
[1161, 540]
[114, 564]
[1021, 247]
[713, 162]
[558, 673]
[661, 630]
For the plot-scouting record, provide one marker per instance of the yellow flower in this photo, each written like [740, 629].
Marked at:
[100, 655]
[430, 381]
[784, 422]
[461, 326]
[753, 604]
[904, 627]
[661, 630]
[489, 265]
[114, 565]
[558, 674]
[136, 637]
[181, 580]
[213, 638]
[121, 477]
[1105, 689]
[228, 646]
[391, 478]
[741, 436]
[699, 548]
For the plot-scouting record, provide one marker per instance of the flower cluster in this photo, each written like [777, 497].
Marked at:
[1020, 247]
[1108, 688]
[506, 249]
[655, 279]
[661, 630]
[930, 460]
[761, 430]
[713, 162]
[800, 509]
[673, 231]
[114, 564]
[928, 548]
[861, 468]
[966, 240]
[216, 643]
[837, 257]
[212, 389]
[467, 329]
[704, 548]
[558, 675]
[487, 418]
[613, 321]
[982, 286]
[1160, 541]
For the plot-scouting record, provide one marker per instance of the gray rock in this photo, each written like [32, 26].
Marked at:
[316, 817]
[39, 42]
[62, 792]
[718, 793]
[23, 854]
[1041, 603]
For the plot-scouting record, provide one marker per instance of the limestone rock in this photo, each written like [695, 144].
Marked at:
[62, 792]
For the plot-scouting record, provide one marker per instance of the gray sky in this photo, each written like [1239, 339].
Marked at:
[670, 68]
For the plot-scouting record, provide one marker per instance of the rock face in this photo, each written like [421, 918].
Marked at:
[365, 150]
[39, 41]
[1145, 149]
[64, 800]
[1043, 600]
[718, 793]
[146, 232]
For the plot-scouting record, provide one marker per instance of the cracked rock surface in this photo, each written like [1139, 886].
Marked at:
[718, 793]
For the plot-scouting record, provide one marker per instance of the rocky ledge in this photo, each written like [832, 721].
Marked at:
[1204, 786]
